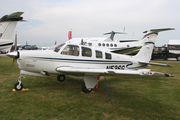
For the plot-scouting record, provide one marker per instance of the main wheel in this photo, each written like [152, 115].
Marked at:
[178, 58]
[18, 87]
[61, 78]
[85, 90]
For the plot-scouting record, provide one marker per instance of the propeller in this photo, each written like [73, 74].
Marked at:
[15, 54]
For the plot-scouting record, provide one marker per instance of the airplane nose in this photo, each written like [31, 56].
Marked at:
[12, 54]
[18, 54]
[15, 55]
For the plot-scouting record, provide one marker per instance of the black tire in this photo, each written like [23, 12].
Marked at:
[61, 78]
[18, 87]
[85, 90]
[178, 58]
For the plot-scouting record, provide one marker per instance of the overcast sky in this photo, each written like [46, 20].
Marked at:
[50, 20]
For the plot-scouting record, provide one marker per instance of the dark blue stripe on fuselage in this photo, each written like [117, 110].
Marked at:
[83, 60]
[6, 44]
[149, 43]
[129, 63]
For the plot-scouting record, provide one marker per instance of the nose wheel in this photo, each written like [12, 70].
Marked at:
[19, 85]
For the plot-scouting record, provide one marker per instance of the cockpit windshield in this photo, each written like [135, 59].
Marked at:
[58, 47]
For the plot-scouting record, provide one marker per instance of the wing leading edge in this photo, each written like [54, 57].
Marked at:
[141, 72]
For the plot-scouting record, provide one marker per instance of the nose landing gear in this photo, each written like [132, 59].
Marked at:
[19, 86]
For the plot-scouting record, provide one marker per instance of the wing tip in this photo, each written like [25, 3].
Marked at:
[167, 75]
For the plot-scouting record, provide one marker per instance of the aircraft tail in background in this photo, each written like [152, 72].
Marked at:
[8, 24]
[145, 53]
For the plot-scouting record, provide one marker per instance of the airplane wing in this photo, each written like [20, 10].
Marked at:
[141, 72]
[127, 51]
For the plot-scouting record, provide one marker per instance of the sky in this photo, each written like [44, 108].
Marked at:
[50, 20]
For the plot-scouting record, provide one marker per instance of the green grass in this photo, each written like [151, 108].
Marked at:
[132, 98]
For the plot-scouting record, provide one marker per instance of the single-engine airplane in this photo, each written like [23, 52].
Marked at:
[7, 26]
[73, 59]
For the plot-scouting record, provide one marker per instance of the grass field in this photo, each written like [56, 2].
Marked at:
[132, 98]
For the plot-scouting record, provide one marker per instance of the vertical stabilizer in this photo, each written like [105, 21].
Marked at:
[151, 35]
[8, 24]
[144, 55]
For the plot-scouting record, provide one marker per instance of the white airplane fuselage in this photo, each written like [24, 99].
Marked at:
[5, 44]
[48, 61]
[115, 45]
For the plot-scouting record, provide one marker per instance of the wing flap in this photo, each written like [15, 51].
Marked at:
[80, 70]
[158, 64]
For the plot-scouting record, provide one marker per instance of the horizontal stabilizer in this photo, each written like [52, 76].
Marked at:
[114, 33]
[158, 30]
[158, 64]
[16, 16]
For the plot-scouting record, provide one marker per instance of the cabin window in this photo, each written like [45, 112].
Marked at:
[71, 50]
[86, 52]
[98, 54]
[107, 45]
[115, 45]
[111, 45]
[90, 44]
[99, 44]
[84, 43]
[108, 56]
[103, 44]
[58, 47]
[1, 34]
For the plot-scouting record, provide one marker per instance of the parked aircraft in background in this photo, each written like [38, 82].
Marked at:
[24, 47]
[121, 46]
[7, 26]
[90, 62]
[29, 47]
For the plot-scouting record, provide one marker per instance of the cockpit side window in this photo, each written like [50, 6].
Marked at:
[58, 47]
[98, 54]
[71, 50]
[86, 52]
[90, 44]
[108, 56]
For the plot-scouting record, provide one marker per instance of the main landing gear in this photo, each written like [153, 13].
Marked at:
[61, 78]
[86, 90]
